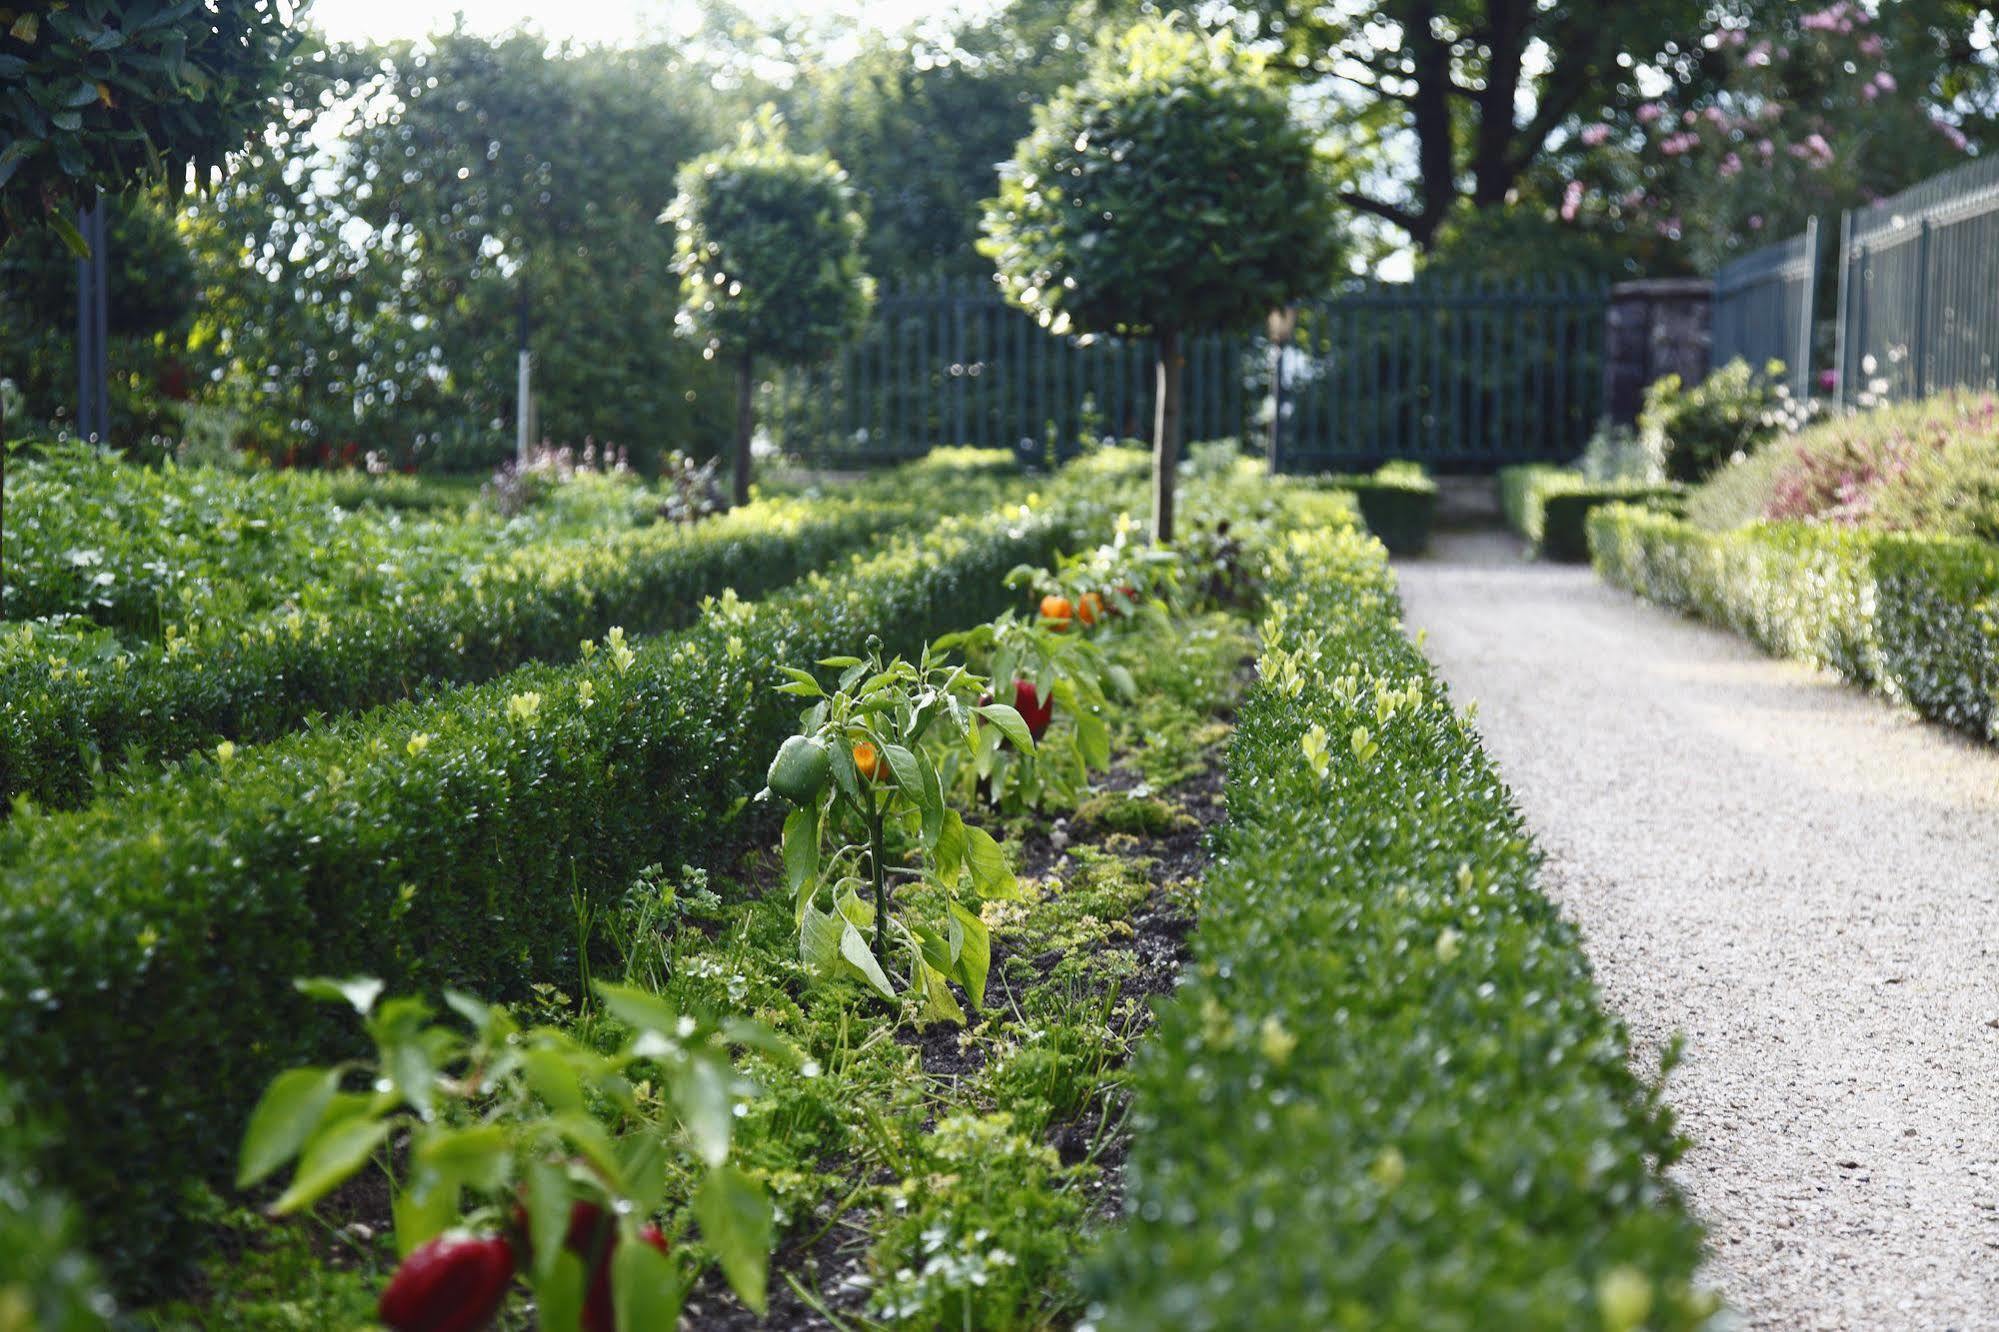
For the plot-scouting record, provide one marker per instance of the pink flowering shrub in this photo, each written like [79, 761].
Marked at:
[1775, 131]
[1930, 467]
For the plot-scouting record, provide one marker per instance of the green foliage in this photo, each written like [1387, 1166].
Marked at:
[150, 309]
[1170, 190]
[1694, 431]
[102, 95]
[1914, 617]
[509, 1130]
[442, 844]
[767, 244]
[1387, 1096]
[47, 1284]
[1398, 503]
[373, 299]
[1550, 506]
[306, 609]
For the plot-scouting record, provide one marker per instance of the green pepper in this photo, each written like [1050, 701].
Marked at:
[801, 770]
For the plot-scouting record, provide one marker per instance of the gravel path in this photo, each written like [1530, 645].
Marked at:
[1800, 880]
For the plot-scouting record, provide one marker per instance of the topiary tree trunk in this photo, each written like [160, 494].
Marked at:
[745, 424]
[1166, 435]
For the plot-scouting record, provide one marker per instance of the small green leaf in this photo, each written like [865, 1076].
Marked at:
[975, 953]
[559, 1294]
[735, 1219]
[646, 1290]
[639, 1009]
[285, 1117]
[361, 991]
[706, 1107]
[990, 876]
[480, 1157]
[330, 1161]
[801, 856]
[855, 949]
[1093, 738]
[1010, 724]
[547, 1206]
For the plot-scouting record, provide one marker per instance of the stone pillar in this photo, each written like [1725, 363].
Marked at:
[1655, 328]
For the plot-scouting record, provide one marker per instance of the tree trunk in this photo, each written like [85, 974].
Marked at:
[1166, 436]
[1436, 134]
[1492, 153]
[745, 425]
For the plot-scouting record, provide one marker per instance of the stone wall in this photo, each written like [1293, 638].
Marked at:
[1657, 327]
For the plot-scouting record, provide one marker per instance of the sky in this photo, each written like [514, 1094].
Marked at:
[584, 20]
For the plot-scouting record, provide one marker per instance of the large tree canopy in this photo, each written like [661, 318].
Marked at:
[1439, 107]
[96, 95]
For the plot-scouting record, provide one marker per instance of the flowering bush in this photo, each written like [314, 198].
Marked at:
[1784, 133]
[1693, 431]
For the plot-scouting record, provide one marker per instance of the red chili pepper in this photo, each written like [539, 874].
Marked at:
[454, 1283]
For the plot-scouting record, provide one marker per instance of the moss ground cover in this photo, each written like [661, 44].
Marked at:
[1387, 1096]
[451, 842]
[257, 643]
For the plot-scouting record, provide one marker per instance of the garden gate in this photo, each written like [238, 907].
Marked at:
[1467, 376]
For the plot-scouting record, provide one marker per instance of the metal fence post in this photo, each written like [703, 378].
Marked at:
[1843, 340]
[1801, 375]
[1921, 351]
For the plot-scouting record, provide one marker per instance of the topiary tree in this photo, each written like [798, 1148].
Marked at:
[769, 256]
[1169, 193]
[100, 95]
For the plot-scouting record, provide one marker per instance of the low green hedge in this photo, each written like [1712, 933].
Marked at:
[146, 987]
[1387, 1095]
[1916, 618]
[1550, 506]
[1398, 504]
[73, 705]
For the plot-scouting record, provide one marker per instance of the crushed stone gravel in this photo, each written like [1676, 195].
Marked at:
[1797, 878]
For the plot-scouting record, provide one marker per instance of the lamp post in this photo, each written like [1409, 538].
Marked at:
[1282, 324]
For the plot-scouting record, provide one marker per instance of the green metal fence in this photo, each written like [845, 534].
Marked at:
[1919, 289]
[1763, 307]
[1459, 375]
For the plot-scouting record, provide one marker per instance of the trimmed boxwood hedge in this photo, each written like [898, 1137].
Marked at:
[152, 940]
[73, 704]
[1915, 618]
[1550, 506]
[1399, 505]
[1387, 1095]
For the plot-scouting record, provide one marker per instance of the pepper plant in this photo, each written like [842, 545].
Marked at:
[1038, 666]
[877, 862]
[529, 1149]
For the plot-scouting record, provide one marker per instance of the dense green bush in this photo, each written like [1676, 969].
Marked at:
[1914, 617]
[1398, 502]
[1550, 506]
[1387, 1096]
[1694, 431]
[146, 992]
[74, 703]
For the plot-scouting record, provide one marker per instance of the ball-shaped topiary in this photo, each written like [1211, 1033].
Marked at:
[1171, 192]
[768, 250]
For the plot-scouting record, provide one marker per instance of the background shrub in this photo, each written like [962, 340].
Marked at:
[1694, 431]
[1398, 502]
[1550, 506]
